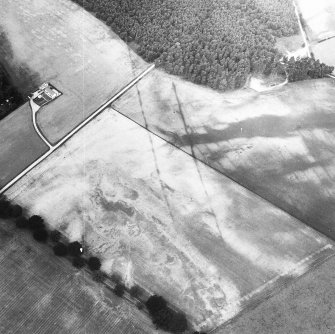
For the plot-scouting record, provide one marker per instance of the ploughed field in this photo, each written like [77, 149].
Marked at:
[168, 222]
[279, 144]
[305, 307]
[42, 293]
[20, 145]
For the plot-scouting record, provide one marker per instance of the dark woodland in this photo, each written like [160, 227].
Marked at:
[10, 98]
[215, 43]
[305, 68]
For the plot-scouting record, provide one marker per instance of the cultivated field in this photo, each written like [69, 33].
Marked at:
[19, 144]
[325, 51]
[58, 41]
[279, 144]
[318, 17]
[305, 307]
[168, 222]
[40, 293]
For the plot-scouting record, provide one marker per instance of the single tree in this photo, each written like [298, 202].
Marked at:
[41, 235]
[16, 211]
[75, 248]
[119, 289]
[155, 303]
[136, 291]
[60, 249]
[170, 320]
[36, 223]
[78, 262]
[55, 235]
[94, 263]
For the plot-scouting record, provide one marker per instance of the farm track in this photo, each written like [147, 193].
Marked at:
[303, 33]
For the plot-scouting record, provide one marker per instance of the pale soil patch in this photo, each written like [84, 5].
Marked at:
[60, 42]
[265, 83]
[287, 45]
[181, 229]
[300, 53]
[279, 144]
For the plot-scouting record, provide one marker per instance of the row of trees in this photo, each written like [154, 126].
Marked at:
[162, 315]
[40, 233]
[305, 68]
[215, 43]
[10, 98]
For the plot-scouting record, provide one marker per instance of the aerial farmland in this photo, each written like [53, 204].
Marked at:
[292, 128]
[167, 166]
[180, 228]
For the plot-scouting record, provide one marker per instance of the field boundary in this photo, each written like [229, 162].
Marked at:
[282, 282]
[58, 144]
[217, 170]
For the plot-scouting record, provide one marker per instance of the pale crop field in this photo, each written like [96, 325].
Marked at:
[319, 17]
[279, 144]
[169, 223]
[325, 51]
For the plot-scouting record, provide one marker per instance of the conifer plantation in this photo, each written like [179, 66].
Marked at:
[215, 43]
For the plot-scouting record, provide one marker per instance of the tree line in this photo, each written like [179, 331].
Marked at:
[163, 316]
[305, 68]
[10, 98]
[216, 43]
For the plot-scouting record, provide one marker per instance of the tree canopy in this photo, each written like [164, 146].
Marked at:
[94, 263]
[305, 68]
[164, 317]
[215, 43]
[10, 98]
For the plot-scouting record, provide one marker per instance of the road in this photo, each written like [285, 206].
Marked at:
[303, 33]
[53, 148]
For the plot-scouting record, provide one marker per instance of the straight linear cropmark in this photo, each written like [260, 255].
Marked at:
[45, 94]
